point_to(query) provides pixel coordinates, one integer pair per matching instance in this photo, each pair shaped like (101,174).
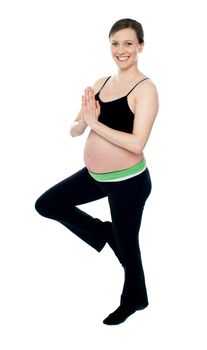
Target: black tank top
(116,113)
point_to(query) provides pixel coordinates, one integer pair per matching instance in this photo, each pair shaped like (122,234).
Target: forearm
(119,138)
(77,128)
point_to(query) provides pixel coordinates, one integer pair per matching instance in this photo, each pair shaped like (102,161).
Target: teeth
(122,58)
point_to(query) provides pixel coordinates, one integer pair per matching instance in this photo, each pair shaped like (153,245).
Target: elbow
(71,133)
(137,149)
(136,145)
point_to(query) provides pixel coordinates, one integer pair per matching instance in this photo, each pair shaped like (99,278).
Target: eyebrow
(116,41)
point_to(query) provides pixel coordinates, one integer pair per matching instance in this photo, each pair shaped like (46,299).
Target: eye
(129,43)
(114,44)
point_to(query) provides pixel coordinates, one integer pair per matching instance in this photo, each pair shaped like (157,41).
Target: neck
(127,75)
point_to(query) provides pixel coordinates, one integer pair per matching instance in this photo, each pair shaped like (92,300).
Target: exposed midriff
(101,156)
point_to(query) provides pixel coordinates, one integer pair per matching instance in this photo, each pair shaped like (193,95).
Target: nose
(121,48)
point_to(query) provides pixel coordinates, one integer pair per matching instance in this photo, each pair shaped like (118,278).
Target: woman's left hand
(90,107)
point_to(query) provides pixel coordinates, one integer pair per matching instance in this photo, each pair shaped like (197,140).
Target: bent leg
(60,201)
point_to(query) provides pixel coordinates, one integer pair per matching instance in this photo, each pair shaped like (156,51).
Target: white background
(50,51)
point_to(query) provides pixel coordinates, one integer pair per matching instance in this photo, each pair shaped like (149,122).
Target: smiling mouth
(122,58)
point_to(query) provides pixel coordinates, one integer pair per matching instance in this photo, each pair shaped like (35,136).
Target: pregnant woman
(120,111)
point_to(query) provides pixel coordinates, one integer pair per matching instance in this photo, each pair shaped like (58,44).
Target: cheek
(133,51)
(134,54)
(113,52)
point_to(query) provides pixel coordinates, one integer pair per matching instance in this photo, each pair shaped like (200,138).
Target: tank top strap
(136,85)
(104,84)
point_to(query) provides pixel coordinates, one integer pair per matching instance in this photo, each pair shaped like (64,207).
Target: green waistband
(120,173)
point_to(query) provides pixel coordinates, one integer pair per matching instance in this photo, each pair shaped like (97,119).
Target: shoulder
(98,84)
(145,85)
(146,91)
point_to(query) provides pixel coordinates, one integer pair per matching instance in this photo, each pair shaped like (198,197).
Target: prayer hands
(90,107)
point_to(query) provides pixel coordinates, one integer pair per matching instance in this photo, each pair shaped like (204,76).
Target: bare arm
(146,109)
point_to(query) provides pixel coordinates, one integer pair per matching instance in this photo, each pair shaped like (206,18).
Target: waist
(120,174)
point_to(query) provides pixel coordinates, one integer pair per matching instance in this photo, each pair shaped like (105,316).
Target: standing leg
(126,200)
(59,203)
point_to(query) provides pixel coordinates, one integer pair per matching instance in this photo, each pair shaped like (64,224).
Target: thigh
(126,215)
(127,199)
(79,188)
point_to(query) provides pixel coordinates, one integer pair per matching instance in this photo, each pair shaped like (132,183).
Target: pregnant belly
(101,156)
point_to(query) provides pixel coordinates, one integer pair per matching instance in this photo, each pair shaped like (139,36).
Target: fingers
(89,96)
(88,100)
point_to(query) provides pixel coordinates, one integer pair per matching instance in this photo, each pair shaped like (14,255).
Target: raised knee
(41,206)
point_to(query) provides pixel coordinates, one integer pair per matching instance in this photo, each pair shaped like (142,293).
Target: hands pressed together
(90,107)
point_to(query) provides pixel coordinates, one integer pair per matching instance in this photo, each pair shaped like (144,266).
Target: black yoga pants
(126,200)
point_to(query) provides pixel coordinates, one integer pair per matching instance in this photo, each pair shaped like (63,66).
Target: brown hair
(128,23)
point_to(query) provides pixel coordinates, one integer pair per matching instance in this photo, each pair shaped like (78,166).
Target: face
(125,48)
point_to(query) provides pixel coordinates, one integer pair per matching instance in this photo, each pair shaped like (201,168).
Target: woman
(120,111)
